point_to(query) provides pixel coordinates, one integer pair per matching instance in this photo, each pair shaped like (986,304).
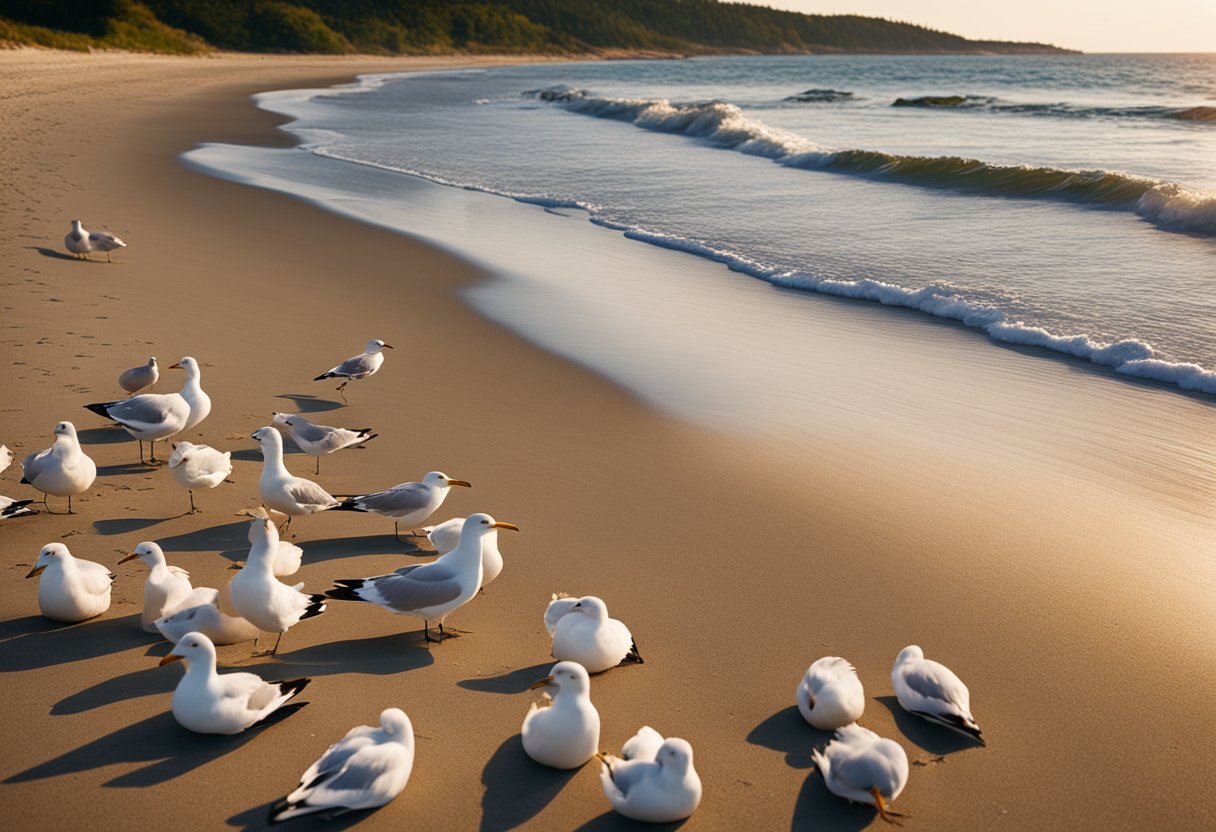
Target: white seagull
(137,378)
(265,601)
(862,767)
(199,466)
(659,789)
(446,536)
(201,613)
(166,587)
(365,769)
(208,703)
(585,634)
(319,440)
(931,690)
(105,241)
(430,591)
(286,494)
(285,557)
(359,366)
(564,730)
(830,695)
(70,589)
(409,502)
(77,240)
(62,469)
(152,416)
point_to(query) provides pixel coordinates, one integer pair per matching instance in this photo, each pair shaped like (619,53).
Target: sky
(1088,25)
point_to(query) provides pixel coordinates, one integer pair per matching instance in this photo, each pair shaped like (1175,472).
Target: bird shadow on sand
(125,525)
(517,788)
(935,739)
(259,818)
(375,656)
(111,435)
(786,731)
(122,469)
(59,255)
(336,548)
(151,680)
(613,822)
(168,749)
(306,403)
(515,682)
(225,537)
(34,642)
(817,808)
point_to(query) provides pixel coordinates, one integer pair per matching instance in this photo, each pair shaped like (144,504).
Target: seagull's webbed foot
(883,812)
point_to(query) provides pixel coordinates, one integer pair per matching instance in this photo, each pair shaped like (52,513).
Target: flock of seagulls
(653,778)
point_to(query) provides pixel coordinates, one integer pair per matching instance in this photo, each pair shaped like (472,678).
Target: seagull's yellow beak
(546,682)
(36,571)
(131,556)
(169,659)
(387,347)
(510,526)
(460,482)
(175,366)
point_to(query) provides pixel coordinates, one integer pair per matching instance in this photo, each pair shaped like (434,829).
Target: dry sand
(1081,620)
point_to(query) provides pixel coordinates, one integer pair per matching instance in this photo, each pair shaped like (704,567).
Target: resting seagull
(409,502)
(563,731)
(319,440)
(430,591)
(662,788)
(279,489)
(931,690)
(358,366)
(862,767)
(152,416)
(70,589)
(585,634)
(62,469)
(365,769)
(208,703)
(201,613)
(166,587)
(830,695)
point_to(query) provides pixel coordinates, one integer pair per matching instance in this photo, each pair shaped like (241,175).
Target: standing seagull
(265,601)
(932,691)
(77,240)
(319,440)
(105,241)
(208,703)
(365,769)
(198,466)
(166,587)
(430,591)
(358,366)
(286,494)
(62,469)
(70,589)
(137,378)
(862,767)
(409,502)
(152,416)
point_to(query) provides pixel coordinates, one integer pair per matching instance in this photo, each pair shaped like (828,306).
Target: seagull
(137,378)
(198,466)
(319,440)
(152,416)
(104,241)
(293,496)
(77,240)
(585,634)
(201,613)
(208,703)
(830,695)
(446,536)
(70,589)
(359,366)
(365,769)
(430,591)
(286,557)
(932,691)
(166,587)
(659,789)
(409,502)
(265,601)
(62,469)
(862,767)
(563,731)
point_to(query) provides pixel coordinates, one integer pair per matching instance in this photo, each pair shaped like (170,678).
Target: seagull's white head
(65,429)
(675,756)
(151,360)
(478,525)
(148,552)
(375,345)
(909,653)
(267,436)
(76,224)
(192,647)
(567,677)
(190,365)
(51,553)
(438,479)
(282,418)
(396,724)
(591,607)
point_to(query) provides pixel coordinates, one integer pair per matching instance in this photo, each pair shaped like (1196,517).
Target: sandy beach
(1069,582)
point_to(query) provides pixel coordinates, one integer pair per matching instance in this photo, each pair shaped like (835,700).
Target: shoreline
(734,561)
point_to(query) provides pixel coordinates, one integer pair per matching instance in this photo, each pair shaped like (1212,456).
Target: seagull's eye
(485,522)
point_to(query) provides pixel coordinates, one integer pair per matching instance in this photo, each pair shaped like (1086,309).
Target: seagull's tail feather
(365,435)
(349,504)
(292,687)
(18,508)
(325,375)
(633,656)
(285,810)
(280,714)
(957,723)
(347,590)
(314,609)
(100,408)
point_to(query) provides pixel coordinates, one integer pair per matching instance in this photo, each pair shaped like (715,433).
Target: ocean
(1066,203)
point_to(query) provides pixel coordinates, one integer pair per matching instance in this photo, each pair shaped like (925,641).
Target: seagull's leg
(396,532)
(341,388)
(275,649)
(426,633)
(885,813)
(318,466)
(70,505)
(193,510)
